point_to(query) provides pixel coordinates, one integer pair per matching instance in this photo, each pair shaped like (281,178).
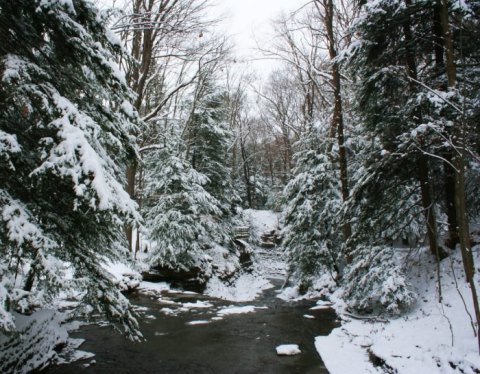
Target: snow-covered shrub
(374,283)
(323,286)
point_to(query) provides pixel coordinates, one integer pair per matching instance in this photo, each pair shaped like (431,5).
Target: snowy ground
(433,338)
(260,221)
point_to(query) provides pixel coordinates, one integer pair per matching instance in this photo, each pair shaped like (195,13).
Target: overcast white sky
(250,21)
(247,21)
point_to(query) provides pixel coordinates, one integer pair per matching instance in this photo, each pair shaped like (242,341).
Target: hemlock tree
(211,139)
(393,106)
(313,202)
(64,144)
(180,213)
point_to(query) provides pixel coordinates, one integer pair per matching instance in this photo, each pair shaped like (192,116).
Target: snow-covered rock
(125,277)
(288,350)
(236,310)
(245,288)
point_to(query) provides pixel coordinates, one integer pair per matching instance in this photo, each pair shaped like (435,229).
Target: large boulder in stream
(192,279)
(217,261)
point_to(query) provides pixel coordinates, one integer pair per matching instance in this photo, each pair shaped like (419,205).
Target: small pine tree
(181,214)
(313,202)
(375,283)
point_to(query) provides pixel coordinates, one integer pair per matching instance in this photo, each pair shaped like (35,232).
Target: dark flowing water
(240,343)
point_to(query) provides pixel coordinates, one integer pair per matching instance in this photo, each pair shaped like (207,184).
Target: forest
(134,137)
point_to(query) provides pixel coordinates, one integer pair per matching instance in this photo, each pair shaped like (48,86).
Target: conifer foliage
(211,142)
(189,188)
(64,144)
(180,210)
(313,203)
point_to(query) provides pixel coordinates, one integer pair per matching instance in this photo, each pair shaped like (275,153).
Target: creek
(237,343)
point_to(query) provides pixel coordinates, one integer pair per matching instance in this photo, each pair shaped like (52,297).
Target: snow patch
(155,288)
(288,350)
(335,348)
(237,310)
(320,307)
(199,322)
(197,305)
(433,338)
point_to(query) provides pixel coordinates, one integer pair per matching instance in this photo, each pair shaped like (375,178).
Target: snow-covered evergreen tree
(397,64)
(376,283)
(211,140)
(181,215)
(313,202)
(64,125)
(406,109)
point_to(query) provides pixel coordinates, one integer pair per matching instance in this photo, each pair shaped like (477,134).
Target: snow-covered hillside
(435,337)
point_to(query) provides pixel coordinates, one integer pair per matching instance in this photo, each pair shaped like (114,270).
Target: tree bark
(131,173)
(459,143)
(449,183)
(337,121)
(449,175)
(428,202)
(246,174)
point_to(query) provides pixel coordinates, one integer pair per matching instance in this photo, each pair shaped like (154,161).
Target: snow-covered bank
(35,344)
(433,338)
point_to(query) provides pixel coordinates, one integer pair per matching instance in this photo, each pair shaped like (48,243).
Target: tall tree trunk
(131,173)
(246,174)
(132,77)
(459,143)
(287,155)
(337,121)
(140,204)
(449,176)
(449,183)
(428,204)
(142,49)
